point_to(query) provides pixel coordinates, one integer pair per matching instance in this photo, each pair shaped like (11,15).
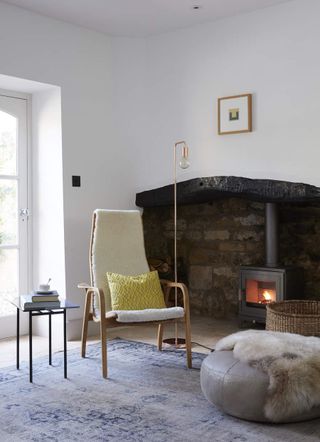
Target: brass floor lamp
(183,164)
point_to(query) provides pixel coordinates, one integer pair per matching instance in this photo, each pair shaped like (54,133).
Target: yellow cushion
(135,292)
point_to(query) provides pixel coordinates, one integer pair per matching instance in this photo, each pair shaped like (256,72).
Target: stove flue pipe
(272,234)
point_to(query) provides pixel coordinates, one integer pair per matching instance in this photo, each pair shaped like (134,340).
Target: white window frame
(29,269)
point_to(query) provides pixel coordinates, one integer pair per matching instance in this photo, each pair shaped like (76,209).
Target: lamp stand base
(175,342)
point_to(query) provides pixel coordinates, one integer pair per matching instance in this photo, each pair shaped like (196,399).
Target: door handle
(23,213)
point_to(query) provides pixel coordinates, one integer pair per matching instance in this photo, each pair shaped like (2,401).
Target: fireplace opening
(260,292)
(260,286)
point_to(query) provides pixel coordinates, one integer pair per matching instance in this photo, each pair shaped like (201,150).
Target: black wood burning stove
(262,285)
(273,282)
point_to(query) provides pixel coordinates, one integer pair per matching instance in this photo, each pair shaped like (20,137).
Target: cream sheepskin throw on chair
(292,363)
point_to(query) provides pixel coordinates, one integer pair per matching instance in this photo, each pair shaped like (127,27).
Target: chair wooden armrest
(89,307)
(169,285)
(84,285)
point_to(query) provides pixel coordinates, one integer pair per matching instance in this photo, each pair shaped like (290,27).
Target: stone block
(168,225)
(248,235)
(199,255)
(196,224)
(181,224)
(250,220)
(225,271)
(232,246)
(169,234)
(213,235)
(200,277)
(194,235)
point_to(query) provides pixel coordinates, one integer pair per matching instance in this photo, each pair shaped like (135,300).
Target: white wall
(126,101)
(129,105)
(94,143)
(47,196)
(47,213)
(272,53)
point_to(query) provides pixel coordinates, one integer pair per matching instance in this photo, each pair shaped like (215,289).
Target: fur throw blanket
(292,363)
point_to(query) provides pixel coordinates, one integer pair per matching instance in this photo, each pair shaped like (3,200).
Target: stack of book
(40,300)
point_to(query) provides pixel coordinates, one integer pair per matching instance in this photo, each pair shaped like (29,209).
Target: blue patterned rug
(149,396)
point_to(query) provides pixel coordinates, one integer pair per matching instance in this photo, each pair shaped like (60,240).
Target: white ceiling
(139,18)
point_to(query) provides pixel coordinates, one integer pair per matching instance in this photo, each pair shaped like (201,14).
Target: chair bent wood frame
(95,296)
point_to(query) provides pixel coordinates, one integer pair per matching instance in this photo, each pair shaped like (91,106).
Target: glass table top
(64,304)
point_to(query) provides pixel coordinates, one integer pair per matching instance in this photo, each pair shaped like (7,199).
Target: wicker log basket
(302,317)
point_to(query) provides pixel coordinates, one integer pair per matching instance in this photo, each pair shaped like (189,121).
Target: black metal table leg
(46,311)
(18,339)
(30,346)
(50,340)
(65,341)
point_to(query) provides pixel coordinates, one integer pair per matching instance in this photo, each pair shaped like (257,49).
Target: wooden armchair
(117,245)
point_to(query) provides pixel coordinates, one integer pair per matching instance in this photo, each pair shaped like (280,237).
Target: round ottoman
(238,389)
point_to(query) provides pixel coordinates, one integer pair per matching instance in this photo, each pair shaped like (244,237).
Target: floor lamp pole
(175,264)
(184,164)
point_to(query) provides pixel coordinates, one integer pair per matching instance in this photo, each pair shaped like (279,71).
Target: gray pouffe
(238,389)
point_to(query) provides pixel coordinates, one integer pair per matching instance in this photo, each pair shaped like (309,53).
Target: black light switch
(76,181)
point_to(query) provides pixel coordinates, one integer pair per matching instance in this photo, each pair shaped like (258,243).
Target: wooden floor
(205,331)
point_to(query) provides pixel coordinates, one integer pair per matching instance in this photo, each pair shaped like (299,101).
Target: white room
(106,100)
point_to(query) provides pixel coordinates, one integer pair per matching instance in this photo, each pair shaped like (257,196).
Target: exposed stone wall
(215,239)
(300,243)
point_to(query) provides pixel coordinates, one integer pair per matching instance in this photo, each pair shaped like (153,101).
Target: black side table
(43,311)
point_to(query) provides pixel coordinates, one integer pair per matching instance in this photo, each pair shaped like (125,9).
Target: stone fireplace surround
(221,226)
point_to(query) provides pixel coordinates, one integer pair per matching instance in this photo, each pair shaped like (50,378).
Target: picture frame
(235,114)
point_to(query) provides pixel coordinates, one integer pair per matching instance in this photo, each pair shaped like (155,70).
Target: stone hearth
(216,237)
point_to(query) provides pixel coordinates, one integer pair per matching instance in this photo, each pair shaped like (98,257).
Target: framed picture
(235,114)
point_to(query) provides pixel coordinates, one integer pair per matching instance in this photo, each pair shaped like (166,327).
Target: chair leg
(103,335)
(160,336)
(85,324)
(188,341)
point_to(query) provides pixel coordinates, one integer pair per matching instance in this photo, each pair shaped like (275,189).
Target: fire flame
(267,296)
